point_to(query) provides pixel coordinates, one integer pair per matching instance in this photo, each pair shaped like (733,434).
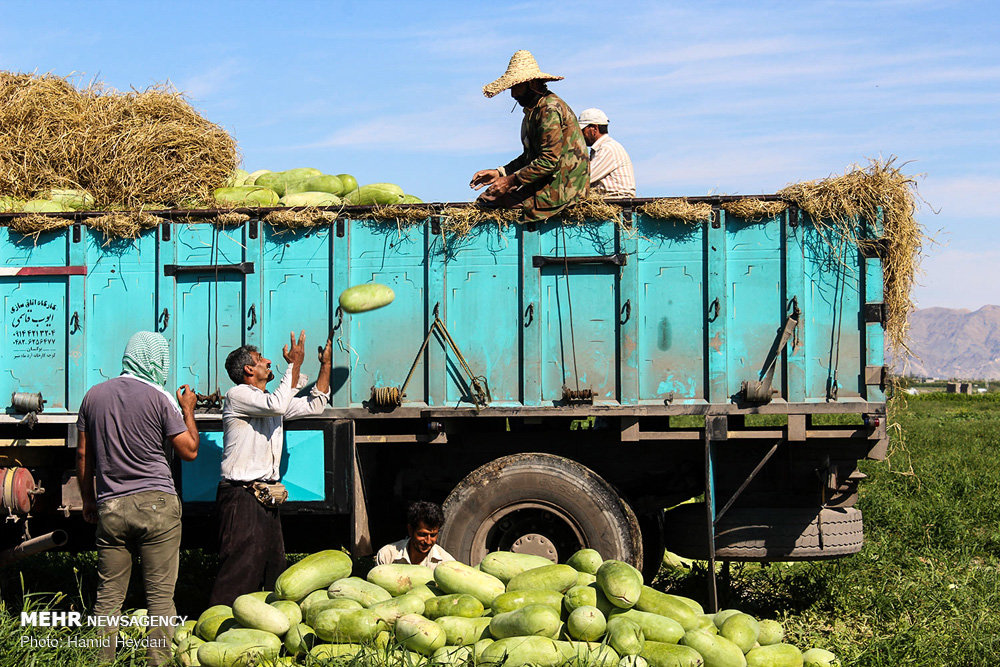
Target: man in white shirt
(611,172)
(251,546)
(423,522)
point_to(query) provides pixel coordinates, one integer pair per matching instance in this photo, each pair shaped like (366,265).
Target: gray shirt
(127,422)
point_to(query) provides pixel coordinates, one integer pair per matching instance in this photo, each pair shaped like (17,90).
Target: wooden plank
(33,442)
(402,438)
(361,539)
(630,429)
(671,435)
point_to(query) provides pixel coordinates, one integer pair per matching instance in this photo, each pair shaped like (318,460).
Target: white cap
(593,117)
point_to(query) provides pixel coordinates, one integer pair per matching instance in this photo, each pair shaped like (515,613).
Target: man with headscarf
(123,427)
(552,171)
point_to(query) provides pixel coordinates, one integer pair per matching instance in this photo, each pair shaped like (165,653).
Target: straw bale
(754,209)
(459,222)
(676,208)
(229,219)
(593,207)
(851,206)
(300,218)
(124,225)
(125,149)
(35,224)
(401,215)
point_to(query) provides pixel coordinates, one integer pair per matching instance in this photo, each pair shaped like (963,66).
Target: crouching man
(423,523)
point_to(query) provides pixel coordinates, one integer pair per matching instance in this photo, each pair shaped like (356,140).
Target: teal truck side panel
(652,313)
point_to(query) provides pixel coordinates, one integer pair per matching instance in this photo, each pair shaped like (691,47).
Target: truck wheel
(767,533)
(541,504)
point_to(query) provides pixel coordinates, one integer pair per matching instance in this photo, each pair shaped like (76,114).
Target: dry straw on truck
(151,149)
(125,149)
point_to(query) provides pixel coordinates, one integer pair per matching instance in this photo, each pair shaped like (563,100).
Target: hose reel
(29,405)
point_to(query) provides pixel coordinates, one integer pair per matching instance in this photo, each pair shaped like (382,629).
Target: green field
(925,590)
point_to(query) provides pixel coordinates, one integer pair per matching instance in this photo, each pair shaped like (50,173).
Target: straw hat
(522,67)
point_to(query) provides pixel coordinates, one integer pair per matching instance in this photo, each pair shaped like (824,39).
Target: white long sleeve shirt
(611,173)
(252,431)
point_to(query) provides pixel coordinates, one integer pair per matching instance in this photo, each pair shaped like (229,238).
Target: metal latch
(876,375)
(388,398)
(759,390)
(577,396)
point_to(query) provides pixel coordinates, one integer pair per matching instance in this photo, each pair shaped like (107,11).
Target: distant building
(959,388)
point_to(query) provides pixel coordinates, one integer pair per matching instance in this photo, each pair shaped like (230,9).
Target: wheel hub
(537,528)
(536,545)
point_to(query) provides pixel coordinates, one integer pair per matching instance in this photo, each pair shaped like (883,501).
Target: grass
(925,589)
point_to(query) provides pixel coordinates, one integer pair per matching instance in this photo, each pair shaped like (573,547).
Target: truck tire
(766,533)
(542,504)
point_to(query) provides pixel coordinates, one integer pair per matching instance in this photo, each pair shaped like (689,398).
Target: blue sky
(708,97)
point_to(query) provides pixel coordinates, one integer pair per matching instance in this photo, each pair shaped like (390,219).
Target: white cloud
(214,80)
(963,197)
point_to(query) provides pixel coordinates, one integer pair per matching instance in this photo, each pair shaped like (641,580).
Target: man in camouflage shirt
(552,172)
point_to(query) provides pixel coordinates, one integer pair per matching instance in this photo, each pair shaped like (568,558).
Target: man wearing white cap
(611,172)
(551,172)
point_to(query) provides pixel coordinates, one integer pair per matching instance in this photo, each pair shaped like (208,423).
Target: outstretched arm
(319,395)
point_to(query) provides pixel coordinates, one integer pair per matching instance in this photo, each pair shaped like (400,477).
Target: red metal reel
(17,485)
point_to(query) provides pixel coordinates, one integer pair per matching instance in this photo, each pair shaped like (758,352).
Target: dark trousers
(251,546)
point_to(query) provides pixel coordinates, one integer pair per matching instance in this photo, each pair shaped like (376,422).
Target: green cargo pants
(145,524)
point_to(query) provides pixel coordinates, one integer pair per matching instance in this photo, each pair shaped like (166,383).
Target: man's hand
(90,510)
(326,353)
(186,398)
(294,353)
(502,186)
(483,178)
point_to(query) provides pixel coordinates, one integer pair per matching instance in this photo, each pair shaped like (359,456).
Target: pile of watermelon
(512,610)
(306,187)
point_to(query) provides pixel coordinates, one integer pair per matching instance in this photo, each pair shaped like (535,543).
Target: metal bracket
(746,482)
(875,248)
(577,396)
(876,312)
(391,397)
(616,259)
(876,375)
(627,217)
(759,390)
(176,269)
(163,320)
(209,401)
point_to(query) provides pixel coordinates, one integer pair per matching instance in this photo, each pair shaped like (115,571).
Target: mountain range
(947,343)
